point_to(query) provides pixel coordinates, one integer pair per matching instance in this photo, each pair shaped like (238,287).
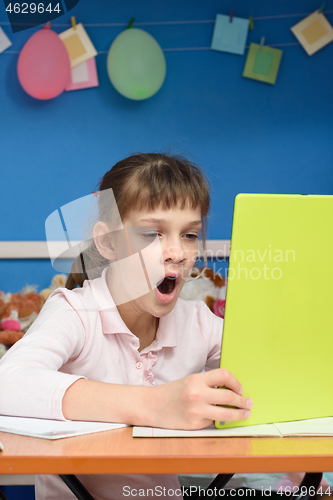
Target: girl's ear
(103,242)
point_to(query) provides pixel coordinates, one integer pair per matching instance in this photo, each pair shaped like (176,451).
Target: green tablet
(278,328)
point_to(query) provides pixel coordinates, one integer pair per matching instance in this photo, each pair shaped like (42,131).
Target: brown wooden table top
(117,452)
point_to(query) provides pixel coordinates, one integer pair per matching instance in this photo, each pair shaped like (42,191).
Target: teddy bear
(58,281)
(209,287)
(17,313)
(19,310)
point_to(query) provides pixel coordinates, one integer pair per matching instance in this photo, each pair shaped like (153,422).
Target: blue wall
(249,136)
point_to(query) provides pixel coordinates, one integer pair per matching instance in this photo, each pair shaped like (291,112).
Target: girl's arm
(31,385)
(187,403)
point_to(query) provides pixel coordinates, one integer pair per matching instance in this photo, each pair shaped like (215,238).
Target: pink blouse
(80,334)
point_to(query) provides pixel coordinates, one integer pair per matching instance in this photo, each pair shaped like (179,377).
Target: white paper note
(80,73)
(4,41)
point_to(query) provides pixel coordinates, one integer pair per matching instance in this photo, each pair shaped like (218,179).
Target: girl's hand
(192,402)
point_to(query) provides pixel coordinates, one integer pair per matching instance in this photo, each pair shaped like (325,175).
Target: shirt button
(139,365)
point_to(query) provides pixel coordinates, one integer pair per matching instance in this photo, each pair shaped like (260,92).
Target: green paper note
(262,63)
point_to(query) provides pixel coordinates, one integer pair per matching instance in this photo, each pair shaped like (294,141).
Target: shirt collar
(112,322)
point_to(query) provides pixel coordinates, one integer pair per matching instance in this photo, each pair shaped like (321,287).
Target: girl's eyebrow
(164,221)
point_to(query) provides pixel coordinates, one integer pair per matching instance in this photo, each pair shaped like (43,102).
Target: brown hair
(147,181)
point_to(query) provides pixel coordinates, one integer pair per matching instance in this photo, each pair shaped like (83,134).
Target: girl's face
(177,231)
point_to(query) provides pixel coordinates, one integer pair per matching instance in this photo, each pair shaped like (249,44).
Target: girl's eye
(153,235)
(150,235)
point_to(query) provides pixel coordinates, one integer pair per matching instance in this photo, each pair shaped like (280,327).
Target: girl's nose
(174,252)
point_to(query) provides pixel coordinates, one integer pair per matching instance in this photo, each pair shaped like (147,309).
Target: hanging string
(170,23)
(166,23)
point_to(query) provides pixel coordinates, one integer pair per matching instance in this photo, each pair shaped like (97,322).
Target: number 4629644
(295,491)
(32,8)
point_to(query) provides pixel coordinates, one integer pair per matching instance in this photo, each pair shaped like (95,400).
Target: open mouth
(167,285)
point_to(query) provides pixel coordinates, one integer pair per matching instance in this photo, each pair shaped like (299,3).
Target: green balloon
(136,64)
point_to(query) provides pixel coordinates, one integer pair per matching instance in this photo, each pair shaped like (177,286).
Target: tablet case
(278,328)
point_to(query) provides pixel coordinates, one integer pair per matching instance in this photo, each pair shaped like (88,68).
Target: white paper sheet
(265,430)
(313,427)
(52,429)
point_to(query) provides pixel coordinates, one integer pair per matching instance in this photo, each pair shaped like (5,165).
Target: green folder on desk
(278,329)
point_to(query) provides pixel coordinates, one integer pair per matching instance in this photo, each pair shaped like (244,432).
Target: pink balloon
(43,66)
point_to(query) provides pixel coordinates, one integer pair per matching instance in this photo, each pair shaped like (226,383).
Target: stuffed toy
(19,310)
(209,287)
(2,350)
(58,281)
(25,303)
(17,313)
(11,323)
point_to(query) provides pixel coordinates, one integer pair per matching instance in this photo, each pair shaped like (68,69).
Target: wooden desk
(116,452)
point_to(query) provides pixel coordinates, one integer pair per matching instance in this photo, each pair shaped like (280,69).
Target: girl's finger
(227,414)
(227,397)
(221,377)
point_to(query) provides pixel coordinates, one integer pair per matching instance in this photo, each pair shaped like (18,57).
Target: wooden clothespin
(73,22)
(231,15)
(262,42)
(320,11)
(251,23)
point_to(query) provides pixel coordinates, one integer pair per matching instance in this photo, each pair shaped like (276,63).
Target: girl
(92,355)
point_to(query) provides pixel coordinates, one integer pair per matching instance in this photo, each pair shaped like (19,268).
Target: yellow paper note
(78,45)
(74,47)
(313,32)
